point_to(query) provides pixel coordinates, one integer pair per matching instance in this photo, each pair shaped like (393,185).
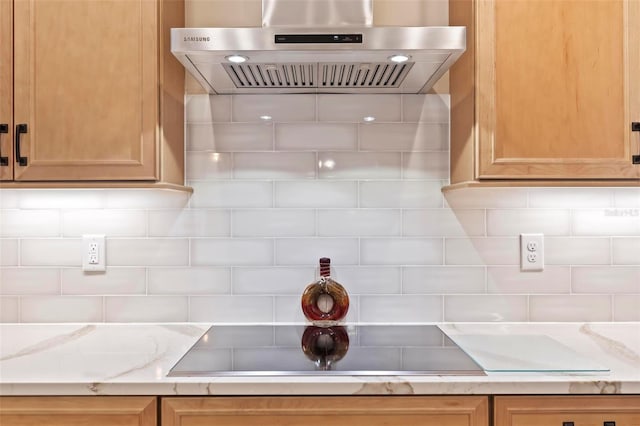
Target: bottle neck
(325,268)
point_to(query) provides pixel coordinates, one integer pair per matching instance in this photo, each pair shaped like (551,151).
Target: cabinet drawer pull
(4,161)
(567,424)
(20,128)
(609,424)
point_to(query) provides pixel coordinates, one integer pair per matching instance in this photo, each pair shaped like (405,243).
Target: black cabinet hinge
(4,161)
(635,127)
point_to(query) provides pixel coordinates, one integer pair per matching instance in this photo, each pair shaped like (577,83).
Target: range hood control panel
(318,38)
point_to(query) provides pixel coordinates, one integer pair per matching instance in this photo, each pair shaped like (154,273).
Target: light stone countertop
(133,359)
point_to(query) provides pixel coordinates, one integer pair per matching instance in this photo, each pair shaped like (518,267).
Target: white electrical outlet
(531,252)
(93,253)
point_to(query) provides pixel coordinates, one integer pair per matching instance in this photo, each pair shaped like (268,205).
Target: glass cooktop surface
(361,350)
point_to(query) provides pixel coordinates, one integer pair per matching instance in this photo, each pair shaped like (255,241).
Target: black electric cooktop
(359,350)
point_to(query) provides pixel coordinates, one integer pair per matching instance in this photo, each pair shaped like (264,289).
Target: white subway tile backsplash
(9,309)
(227,137)
(231,252)
(612,221)
(316,137)
(282,108)
(112,223)
(627,198)
(570,197)
(443,280)
(401,251)
(8,252)
(368,279)
(208,165)
(271,197)
(231,309)
(570,308)
(353,108)
(605,279)
(208,108)
(147,252)
(513,222)
(401,194)
(429,108)
(51,252)
(146,199)
(30,223)
(487,308)
(146,309)
(114,281)
(425,165)
(316,194)
(482,251)
(396,308)
(404,137)
(274,165)
(443,222)
(189,281)
(307,251)
(231,194)
(626,308)
(511,280)
(357,222)
(358,165)
(626,251)
(485,198)
(274,223)
(61,199)
(9,198)
(189,223)
(61,309)
(577,251)
(29,281)
(274,280)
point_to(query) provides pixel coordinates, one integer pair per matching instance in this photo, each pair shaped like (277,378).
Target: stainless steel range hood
(317,46)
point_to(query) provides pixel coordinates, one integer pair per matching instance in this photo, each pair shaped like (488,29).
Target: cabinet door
(6,90)
(557,88)
(322,411)
(67,411)
(558,411)
(86,87)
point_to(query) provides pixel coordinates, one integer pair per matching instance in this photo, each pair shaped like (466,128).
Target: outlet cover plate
(531,252)
(94,255)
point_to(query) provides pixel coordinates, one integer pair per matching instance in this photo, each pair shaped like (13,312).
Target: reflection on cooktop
(360,350)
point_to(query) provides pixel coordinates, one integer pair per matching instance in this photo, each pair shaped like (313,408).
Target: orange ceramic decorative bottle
(325,299)
(325,345)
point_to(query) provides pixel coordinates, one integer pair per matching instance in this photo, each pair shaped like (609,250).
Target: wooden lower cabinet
(78,411)
(598,410)
(324,410)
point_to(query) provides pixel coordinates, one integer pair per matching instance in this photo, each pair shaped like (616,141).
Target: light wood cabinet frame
(554,410)
(476,148)
(89,410)
(326,410)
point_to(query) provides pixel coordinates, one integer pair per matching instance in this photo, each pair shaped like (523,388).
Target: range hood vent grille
(324,75)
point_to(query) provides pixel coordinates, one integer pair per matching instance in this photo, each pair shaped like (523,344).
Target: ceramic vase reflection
(325,346)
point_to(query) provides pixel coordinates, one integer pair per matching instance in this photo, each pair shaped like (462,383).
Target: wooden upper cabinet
(6,90)
(323,411)
(97,90)
(601,410)
(548,90)
(67,411)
